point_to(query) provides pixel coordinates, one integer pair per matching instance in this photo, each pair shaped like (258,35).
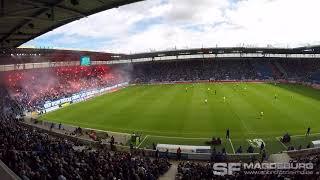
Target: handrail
(7,173)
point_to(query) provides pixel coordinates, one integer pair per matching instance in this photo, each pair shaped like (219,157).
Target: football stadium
(205,112)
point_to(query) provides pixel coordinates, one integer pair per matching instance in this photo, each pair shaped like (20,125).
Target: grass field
(172,114)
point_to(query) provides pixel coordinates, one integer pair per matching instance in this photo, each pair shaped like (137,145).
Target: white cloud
(193,23)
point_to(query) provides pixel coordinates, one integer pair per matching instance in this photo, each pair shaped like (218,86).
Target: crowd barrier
(303,152)
(87,142)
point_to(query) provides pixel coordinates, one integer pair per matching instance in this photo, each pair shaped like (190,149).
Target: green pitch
(178,114)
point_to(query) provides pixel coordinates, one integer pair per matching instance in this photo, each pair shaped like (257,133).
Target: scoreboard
(85,61)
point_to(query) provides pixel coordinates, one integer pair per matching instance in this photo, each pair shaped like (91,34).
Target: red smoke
(34,86)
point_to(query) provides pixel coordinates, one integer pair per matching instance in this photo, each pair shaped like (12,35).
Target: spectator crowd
(32,88)
(34,154)
(215,70)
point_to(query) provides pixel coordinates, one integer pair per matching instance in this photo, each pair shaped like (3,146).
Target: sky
(154,25)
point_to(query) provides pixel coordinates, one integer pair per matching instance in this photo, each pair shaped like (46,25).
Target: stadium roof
(224,50)
(23,20)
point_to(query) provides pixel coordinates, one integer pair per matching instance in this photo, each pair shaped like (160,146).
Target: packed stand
(34,154)
(35,86)
(193,70)
(300,69)
(215,70)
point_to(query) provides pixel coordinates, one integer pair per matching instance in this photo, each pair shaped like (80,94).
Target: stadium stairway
(275,71)
(281,69)
(172,172)
(281,158)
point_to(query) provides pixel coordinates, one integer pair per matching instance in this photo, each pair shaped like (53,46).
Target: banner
(78,97)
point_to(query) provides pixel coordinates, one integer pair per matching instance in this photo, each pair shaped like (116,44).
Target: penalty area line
(234,152)
(143,140)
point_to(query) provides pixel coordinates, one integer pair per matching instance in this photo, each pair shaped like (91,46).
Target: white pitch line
(302,135)
(143,140)
(282,144)
(242,122)
(232,146)
(84,124)
(305,135)
(112,132)
(177,137)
